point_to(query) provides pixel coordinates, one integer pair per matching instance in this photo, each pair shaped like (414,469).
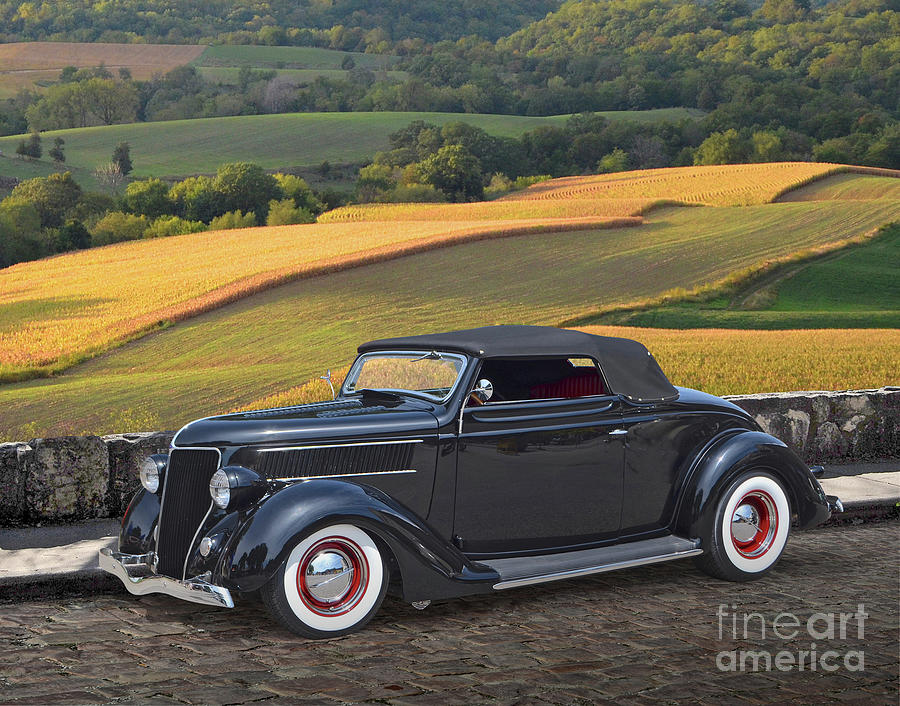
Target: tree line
(53,214)
(351,25)
(823,79)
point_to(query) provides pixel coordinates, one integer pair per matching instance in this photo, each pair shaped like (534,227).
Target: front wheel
(332,583)
(749,530)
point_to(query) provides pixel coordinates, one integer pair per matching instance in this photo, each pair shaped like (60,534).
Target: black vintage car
(461,463)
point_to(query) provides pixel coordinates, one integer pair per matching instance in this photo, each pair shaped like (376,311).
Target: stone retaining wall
(80,477)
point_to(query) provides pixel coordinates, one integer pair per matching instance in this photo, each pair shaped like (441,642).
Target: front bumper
(195,590)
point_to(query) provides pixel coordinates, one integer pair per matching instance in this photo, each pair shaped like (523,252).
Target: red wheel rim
(356,561)
(757,510)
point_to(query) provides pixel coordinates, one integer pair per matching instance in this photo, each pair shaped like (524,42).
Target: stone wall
(73,477)
(856,425)
(80,477)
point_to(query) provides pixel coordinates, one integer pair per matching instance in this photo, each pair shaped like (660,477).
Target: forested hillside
(342,24)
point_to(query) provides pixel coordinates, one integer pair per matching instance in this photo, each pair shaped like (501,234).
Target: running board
(525,571)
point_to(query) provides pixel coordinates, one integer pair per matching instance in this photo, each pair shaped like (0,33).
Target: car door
(538,474)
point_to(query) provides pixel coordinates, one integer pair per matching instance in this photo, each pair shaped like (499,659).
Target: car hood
(341,420)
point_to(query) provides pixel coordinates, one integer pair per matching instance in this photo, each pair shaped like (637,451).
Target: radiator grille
(184,505)
(335,461)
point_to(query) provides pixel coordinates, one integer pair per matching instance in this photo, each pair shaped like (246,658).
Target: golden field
(726,361)
(58,310)
(717,185)
(500,210)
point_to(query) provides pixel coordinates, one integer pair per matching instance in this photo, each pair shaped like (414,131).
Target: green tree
(767,146)
(165,226)
(121,157)
(721,148)
(20,232)
(72,235)
(233,219)
(197,199)
(52,196)
(615,161)
(285,212)
(56,152)
(149,197)
(116,226)
(31,147)
(246,187)
(293,187)
(455,171)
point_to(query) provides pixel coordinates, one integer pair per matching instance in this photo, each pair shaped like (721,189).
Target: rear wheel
(332,583)
(749,530)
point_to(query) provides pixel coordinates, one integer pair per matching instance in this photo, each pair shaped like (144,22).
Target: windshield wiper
(434,355)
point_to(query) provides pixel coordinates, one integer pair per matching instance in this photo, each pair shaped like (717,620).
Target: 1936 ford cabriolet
(460,463)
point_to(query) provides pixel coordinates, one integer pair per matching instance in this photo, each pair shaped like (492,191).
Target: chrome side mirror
(483,390)
(327,378)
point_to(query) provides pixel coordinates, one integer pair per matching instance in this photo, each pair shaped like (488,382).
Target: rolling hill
(278,338)
(185,147)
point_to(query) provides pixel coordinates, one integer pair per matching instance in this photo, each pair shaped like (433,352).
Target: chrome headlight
(220,489)
(151,471)
(236,487)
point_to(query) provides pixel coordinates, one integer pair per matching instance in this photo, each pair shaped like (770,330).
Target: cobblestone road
(648,635)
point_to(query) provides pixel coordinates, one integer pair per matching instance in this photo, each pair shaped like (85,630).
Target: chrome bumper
(195,590)
(834,503)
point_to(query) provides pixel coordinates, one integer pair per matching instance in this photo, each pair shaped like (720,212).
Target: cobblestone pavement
(648,635)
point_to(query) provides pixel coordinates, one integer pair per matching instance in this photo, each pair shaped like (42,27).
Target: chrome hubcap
(329,576)
(745,523)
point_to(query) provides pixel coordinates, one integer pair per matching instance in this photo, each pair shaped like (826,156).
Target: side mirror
(483,390)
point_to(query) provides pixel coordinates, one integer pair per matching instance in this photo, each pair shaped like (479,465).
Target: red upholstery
(580,384)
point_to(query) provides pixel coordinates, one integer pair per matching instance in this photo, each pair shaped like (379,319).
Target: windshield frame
(358,363)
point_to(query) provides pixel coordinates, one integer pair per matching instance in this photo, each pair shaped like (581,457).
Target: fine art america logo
(822,630)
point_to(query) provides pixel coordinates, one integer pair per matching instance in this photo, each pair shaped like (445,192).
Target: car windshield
(431,374)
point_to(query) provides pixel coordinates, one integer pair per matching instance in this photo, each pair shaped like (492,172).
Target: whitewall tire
(749,530)
(331,584)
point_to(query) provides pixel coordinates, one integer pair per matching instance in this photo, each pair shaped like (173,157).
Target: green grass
(289,57)
(22,169)
(184,147)
(856,287)
(283,337)
(228,75)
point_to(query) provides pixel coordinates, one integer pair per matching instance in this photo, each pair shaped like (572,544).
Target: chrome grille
(185,502)
(335,460)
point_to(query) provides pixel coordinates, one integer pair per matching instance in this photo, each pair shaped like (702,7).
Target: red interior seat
(583,382)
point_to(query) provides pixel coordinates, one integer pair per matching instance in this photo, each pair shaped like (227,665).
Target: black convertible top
(629,367)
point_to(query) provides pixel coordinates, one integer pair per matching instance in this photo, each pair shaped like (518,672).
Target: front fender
(732,455)
(430,567)
(139,524)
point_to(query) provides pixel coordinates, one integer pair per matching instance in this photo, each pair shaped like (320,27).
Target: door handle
(618,432)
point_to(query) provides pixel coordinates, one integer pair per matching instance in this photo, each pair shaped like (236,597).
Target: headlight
(151,472)
(219,489)
(236,487)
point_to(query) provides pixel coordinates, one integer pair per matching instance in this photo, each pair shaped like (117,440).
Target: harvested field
(142,59)
(116,292)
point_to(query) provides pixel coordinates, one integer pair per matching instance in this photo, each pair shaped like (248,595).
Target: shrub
(410,193)
(116,226)
(233,219)
(285,213)
(149,197)
(165,226)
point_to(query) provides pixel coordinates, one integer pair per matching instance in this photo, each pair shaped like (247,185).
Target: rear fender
(430,567)
(734,454)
